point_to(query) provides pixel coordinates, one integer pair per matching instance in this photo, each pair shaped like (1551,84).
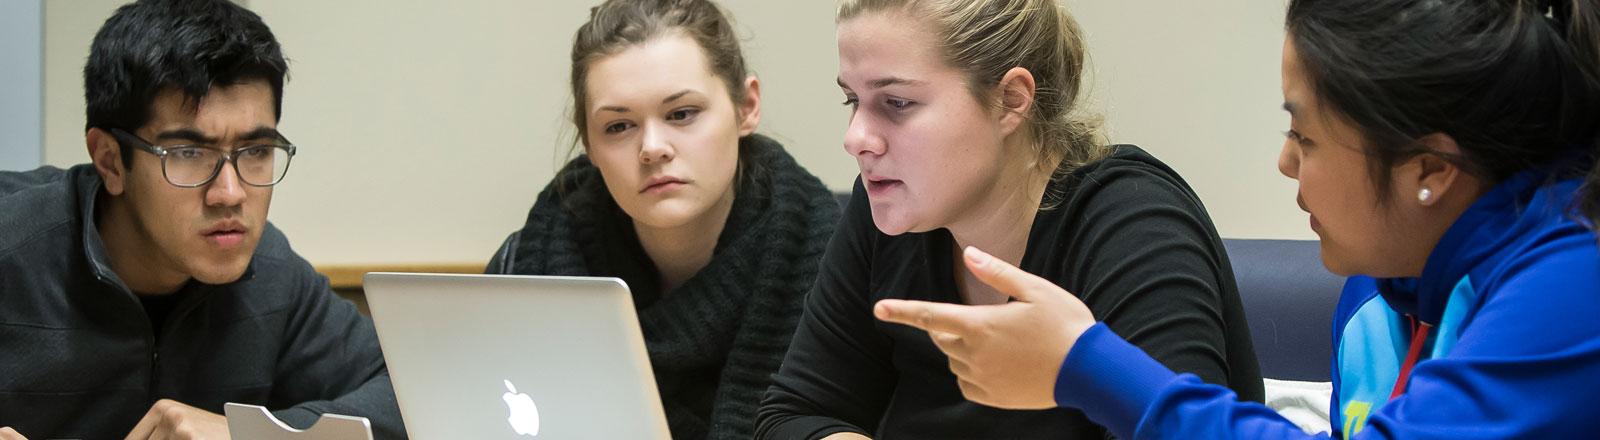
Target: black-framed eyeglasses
(193,166)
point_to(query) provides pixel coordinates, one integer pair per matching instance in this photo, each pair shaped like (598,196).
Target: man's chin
(221,274)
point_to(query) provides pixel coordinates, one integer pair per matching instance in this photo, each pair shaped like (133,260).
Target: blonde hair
(986,38)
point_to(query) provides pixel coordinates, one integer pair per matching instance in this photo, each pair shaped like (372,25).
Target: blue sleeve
(1527,365)
(1123,389)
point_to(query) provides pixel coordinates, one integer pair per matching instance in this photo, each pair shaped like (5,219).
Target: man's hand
(1006,355)
(6,433)
(169,419)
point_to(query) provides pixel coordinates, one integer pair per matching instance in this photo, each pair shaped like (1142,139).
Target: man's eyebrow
(194,136)
(261,133)
(185,134)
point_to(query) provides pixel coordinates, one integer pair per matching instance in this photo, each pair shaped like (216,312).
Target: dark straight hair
(1516,83)
(150,46)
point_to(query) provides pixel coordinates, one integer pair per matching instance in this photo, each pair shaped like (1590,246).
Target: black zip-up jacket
(79,357)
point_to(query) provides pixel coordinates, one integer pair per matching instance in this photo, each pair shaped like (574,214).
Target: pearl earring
(1424,195)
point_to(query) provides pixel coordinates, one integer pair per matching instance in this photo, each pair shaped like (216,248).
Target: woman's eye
(851,101)
(897,104)
(618,127)
(683,114)
(1296,137)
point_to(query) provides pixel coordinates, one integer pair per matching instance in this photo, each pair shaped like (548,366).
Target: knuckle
(925,316)
(1002,270)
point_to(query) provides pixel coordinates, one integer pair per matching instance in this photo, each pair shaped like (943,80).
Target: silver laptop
(515,357)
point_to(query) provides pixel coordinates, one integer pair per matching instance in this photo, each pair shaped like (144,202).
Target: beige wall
(427,127)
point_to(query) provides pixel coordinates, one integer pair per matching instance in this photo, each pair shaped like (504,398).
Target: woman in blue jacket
(1440,148)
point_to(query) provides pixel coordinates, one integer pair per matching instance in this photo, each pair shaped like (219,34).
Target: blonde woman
(964,123)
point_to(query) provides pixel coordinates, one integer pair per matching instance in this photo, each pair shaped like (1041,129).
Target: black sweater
(1127,236)
(715,341)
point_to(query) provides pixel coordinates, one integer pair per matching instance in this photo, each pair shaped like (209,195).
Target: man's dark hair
(186,45)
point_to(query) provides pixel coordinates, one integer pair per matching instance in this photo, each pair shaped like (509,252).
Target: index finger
(1004,277)
(6,433)
(955,319)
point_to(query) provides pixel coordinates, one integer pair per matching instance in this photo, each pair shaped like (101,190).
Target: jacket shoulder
(32,203)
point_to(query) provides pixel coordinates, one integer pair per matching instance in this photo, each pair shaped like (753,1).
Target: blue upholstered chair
(1289,299)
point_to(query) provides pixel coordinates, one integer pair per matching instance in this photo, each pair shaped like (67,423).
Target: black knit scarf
(713,340)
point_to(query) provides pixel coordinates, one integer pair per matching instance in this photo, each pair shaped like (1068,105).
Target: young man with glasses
(142,291)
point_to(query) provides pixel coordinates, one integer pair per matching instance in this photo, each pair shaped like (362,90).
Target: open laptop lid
(515,357)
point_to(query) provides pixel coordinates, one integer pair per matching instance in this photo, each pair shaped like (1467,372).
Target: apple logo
(524,416)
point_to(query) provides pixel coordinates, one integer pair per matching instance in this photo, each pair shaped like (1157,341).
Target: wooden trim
(348,276)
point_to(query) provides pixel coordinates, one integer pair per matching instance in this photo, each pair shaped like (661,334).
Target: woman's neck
(682,251)
(1000,227)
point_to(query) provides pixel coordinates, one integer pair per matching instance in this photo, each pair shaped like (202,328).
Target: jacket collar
(1498,221)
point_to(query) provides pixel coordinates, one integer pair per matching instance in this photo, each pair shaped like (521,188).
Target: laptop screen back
(515,357)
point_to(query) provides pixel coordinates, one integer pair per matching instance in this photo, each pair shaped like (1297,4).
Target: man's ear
(106,154)
(1429,178)
(750,109)
(1015,92)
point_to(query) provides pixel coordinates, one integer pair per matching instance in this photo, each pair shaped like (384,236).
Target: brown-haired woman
(965,125)
(716,230)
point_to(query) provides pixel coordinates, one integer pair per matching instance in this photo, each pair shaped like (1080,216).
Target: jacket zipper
(155,362)
(173,316)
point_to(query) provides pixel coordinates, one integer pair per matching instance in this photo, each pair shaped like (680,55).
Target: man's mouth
(225,234)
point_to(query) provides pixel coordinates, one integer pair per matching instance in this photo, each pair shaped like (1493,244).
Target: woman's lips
(1316,226)
(883,186)
(663,183)
(663,187)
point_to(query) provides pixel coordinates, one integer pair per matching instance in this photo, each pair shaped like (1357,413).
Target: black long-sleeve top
(1126,235)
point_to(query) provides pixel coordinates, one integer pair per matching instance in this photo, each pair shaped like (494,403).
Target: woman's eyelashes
(890,105)
(680,116)
(1296,137)
(618,127)
(683,115)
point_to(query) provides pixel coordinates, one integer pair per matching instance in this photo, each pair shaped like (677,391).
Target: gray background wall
(21,84)
(427,127)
